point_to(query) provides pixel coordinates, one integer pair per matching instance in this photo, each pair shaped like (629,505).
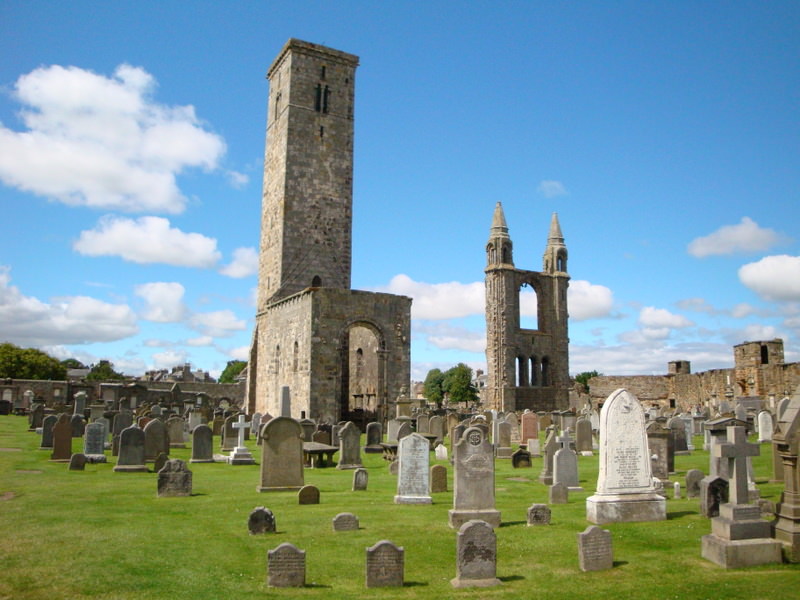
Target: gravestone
(36,418)
(713,493)
(349,447)
(174,479)
(77,424)
(785,440)
(765,426)
(503,449)
(175,428)
(739,536)
(625,488)
(48,423)
(529,424)
(565,465)
(583,435)
(403,430)
(413,455)
(440,452)
(693,478)
(476,556)
(308,494)
(286,566)
(532,446)
(438,479)
(156,440)
(79,403)
(281,455)
(677,430)
(511,419)
(202,445)
(550,449)
(360,479)
(255,422)
(345,522)
(374,438)
(521,459)
(240,455)
(94,445)
(658,442)
(422,424)
(539,514)
(309,427)
(436,427)
(160,461)
(229,436)
(594,548)
(286,402)
(558,493)
(77,462)
(62,439)
(261,520)
(131,451)
(122,421)
(385,565)
(473,493)
(391,429)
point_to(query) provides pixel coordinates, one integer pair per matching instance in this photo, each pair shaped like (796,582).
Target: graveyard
(101,533)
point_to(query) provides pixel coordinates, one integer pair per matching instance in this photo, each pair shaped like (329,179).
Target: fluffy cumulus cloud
(148,240)
(439,300)
(446,336)
(27,321)
(164,301)
(650,316)
(747,236)
(168,359)
(550,189)
(220,323)
(589,301)
(103,142)
(775,278)
(244,263)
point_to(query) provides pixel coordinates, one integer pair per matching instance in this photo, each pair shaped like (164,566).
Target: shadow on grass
(193,494)
(512,523)
(315,585)
(680,513)
(619,563)
(415,584)
(508,578)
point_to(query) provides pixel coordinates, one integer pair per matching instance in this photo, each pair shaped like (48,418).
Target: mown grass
(100,534)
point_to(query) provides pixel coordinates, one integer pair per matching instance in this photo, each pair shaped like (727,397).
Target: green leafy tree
(583,379)
(232,370)
(458,385)
(432,387)
(29,363)
(104,371)
(73,363)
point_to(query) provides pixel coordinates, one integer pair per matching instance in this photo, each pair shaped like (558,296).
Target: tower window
(322,72)
(318,98)
(764,355)
(325,96)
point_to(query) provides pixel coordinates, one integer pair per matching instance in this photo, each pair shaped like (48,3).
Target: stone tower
(343,354)
(527,368)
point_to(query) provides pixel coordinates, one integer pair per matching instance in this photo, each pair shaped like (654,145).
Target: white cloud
(102,141)
(237,180)
(220,323)
(168,359)
(451,337)
(239,353)
(588,301)
(773,277)
(439,300)
(550,189)
(27,321)
(205,340)
(148,240)
(747,236)
(244,263)
(164,301)
(658,318)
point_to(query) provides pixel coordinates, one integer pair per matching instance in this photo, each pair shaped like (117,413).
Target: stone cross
(736,450)
(241,426)
(565,439)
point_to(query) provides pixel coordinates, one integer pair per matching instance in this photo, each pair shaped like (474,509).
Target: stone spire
(499,249)
(555,255)
(499,227)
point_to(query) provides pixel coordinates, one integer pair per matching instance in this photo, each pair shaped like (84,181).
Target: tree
(29,363)
(432,388)
(232,370)
(458,386)
(73,363)
(104,371)
(583,379)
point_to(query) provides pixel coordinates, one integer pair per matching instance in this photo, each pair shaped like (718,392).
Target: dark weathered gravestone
(160,461)
(261,520)
(94,442)
(308,494)
(438,479)
(174,479)
(374,438)
(549,451)
(287,566)
(345,522)
(349,447)
(693,479)
(48,423)
(594,549)
(476,556)
(473,493)
(403,430)
(175,429)
(62,439)
(229,435)
(385,565)
(713,492)
(281,455)
(36,418)
(77,462)
(156,439)
(77,424)
(521,459)
(360,479)
(202,445)
(539,514)
(394,467)
(131,451)
(413,454)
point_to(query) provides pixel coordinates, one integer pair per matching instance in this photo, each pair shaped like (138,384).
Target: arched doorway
(363,394)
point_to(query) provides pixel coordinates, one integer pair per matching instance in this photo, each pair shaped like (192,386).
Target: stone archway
(362,393)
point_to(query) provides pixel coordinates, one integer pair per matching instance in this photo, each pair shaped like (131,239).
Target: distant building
(179,374)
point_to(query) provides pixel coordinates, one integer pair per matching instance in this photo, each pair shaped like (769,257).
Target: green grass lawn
(99,534)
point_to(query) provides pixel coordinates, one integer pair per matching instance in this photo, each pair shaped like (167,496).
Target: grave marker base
(626,509)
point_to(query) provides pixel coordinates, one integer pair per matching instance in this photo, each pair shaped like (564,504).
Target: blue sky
(665,135)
